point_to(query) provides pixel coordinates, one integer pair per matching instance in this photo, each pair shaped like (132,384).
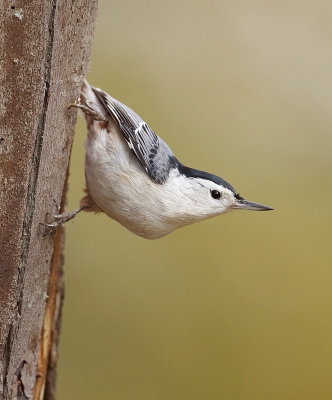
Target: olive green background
(238,307)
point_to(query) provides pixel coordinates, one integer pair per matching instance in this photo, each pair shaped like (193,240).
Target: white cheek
(223,205)
(227,201)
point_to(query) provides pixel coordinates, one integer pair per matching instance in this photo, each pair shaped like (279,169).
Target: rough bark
(44,55)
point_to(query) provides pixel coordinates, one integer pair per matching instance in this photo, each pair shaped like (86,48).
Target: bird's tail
(88,98)
(86,92)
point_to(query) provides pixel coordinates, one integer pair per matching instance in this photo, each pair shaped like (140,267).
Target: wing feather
(150,149)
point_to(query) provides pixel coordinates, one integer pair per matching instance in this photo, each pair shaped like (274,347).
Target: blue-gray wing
(151,151)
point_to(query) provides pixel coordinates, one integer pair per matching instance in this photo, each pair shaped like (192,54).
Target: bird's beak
(248,205)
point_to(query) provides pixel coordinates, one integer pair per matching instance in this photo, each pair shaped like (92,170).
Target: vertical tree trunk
(44,55)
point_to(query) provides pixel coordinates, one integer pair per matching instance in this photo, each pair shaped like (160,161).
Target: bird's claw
(49,228)
(77,103)
(59,220)
(88,110)
(59,217)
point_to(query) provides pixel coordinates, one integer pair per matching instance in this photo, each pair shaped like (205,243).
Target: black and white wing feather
(151,151)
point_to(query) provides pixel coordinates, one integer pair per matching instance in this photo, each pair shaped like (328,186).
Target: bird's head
(209,195)
(218,198)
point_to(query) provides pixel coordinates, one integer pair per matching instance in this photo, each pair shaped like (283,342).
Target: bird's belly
(120,187)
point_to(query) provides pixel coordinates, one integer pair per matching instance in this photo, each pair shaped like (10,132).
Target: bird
(133,176)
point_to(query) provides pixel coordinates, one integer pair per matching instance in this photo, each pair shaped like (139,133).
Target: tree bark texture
(44,56)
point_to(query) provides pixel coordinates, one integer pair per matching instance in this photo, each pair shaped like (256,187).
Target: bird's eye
(215,194)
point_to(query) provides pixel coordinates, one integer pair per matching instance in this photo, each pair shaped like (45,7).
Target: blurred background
(238,307)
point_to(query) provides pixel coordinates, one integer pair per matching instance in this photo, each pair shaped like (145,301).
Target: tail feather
(89,98)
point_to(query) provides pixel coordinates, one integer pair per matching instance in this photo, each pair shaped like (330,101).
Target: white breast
(121,188)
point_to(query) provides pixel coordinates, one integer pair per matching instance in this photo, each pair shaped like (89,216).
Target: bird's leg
(89,110)
(66,216)
(60,220)
(86,204)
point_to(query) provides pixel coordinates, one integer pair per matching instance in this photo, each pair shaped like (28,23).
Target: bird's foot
(89,110)
(59,220)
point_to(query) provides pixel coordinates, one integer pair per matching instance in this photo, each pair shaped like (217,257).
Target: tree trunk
(44,56)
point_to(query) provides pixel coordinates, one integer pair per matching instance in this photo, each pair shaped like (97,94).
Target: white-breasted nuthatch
(133,176)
